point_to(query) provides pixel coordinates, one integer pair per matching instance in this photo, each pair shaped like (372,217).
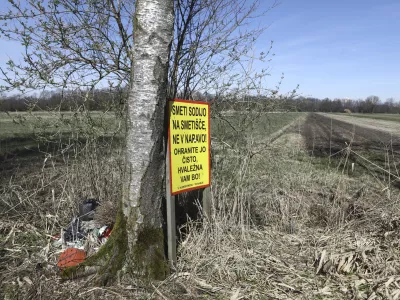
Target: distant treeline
(100,99)
(106,99)
(371,104)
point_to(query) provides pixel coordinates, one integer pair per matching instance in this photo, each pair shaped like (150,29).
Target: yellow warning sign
(189,145)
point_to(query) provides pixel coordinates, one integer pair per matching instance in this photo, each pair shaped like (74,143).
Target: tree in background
(370,103)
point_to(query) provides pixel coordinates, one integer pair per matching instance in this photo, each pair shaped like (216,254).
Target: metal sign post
(207,203)
(171,222)
(188,165)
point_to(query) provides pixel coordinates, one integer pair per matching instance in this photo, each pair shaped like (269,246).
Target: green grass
(22,125)
(21,131)
(26,124)
(235,129)
(24,131)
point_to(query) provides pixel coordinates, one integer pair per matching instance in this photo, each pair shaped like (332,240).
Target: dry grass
(282,227)
(299,231)
(37,203)
(52,188)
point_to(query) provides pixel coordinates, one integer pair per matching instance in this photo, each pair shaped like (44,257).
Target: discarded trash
(71,257)
(56,237)
(104,232)
(82,237)
(73,231)
(87,208)
(79,244)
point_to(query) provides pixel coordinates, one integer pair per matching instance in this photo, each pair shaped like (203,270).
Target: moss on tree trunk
(136,244)
(110,258)
(146,261)
(148,255)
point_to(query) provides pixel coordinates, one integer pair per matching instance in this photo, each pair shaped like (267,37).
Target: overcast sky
(332,48)
(336,48)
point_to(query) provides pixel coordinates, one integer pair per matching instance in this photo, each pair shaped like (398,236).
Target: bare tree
(211,43)
(69,43)
(371,102)
(84,44)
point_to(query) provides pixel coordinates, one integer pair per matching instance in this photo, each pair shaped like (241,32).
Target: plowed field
(370,144)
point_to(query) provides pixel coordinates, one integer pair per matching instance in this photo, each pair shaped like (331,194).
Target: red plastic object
(71,257)
(107,232)
(56,237)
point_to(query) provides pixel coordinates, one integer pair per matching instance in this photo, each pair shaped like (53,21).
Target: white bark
(145,156)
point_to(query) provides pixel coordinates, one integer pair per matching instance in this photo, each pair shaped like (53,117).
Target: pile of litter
(83,236)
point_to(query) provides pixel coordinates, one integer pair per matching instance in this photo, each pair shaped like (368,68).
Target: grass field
(25,130)
(290,219)
(28,131)
(239,130)
(386,117)
(27,124)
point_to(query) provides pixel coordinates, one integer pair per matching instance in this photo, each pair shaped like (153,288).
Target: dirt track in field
(327,135)
(381,125)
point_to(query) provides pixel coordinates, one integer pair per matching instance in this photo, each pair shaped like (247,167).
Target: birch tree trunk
(145,155)
(136,245)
